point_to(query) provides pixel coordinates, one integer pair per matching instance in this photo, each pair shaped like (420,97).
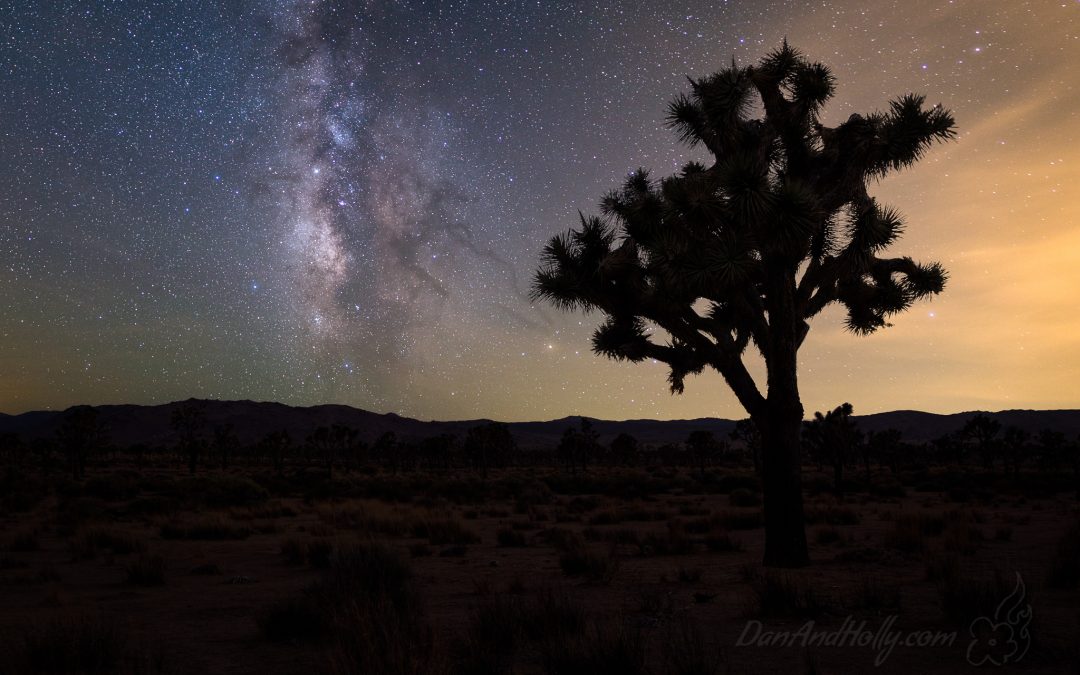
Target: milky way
(343,200)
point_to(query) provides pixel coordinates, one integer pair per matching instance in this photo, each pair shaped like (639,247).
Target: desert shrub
(89,645)
(86,545)
(827,535)
(943,568)
(293,619)
(500,627)
(734,481)
(116,486)
(783,595)
(831,514)
(873,594)
(72,513)
(443,531)
(363,518)
(689,575)
(598,564)
(152,505)
(205,529)
(319,552)
(365,608)
(23,542)
(206,569)
(722,542)
(220,491)
(267,511)
(20,493)
(910,531)
(419,550)
(744,497)
(615,648)
(1065,564)
(962,537)
(510,538)
(674,541)
(294,551)
(146,570)
(738,520)
(963,597)
(685,650)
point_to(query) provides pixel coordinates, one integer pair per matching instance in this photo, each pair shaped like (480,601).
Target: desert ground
(141,568)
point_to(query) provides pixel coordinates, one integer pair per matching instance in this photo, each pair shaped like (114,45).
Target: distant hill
(151,425)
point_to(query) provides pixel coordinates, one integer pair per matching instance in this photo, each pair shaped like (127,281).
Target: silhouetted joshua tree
(885,446)
(983,431)
(578,446)
(79,435)
(187,421)
(693,269)
(703,448)
(747,432)
(488,445)
(624,449)
(833,437)
(225,443)
(1014,449)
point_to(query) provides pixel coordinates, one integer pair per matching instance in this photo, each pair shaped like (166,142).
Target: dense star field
(344,201)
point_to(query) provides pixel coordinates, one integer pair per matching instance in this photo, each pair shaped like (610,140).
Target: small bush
(685,650)
(722,542)
(875,595)
(675,541)
(964,598)
(831,515)
(784,595)
(294,551)
(827,535)
(441,532)
(689,575)
(90,645)
(910,532)
(146,570)
(294,619)
(207,529)
(510,538)
(23,542)
(91,541)
(206,569)
(612,649)
(578,558)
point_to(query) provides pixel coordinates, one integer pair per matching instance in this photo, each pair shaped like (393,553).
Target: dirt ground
(164,573)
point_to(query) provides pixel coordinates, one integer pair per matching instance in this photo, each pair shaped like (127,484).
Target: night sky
(344,201)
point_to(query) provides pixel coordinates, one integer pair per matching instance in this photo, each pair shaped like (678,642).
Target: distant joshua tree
(332,444)
(489,445)
(834,437)
(188,420)
(747,432)
(703,448)
(983,431)
(624,449)
(693,269)
(578,446)
(80,434)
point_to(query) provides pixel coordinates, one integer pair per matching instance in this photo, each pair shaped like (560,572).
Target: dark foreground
(531,570)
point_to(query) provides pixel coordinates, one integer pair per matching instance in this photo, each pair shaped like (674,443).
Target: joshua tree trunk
(785,532)
(785,535)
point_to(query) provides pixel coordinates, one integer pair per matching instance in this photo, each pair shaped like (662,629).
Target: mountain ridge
(131,424)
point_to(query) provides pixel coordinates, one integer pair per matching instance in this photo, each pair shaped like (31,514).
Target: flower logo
(1004,638)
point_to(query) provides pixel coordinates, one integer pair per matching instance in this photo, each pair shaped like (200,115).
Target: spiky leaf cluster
(776,228)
